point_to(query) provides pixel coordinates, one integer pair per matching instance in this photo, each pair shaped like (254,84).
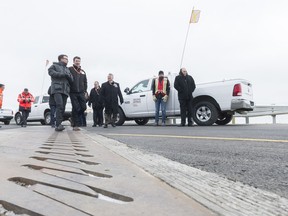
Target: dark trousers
(186,111)
(52,115)
(83,121)
(78,101)
(60,100)
(98,116)
(25,115)
(111,114)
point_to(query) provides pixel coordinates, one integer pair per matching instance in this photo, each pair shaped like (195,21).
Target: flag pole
(184,45)
(185,41)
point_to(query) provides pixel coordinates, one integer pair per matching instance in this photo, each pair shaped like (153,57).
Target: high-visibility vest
(25,100)
(164,91)
(1,97)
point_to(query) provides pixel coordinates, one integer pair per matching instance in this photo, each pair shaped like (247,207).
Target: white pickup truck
(214,102)
(6,115)
(40,111)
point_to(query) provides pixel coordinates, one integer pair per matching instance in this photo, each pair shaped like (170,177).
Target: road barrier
(259,111)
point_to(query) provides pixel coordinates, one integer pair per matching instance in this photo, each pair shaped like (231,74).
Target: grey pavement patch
(9,209)
(50,158)
(217,193)
(86,172)
(65,149)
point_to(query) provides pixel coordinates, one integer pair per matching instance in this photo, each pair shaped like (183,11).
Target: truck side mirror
(127,90)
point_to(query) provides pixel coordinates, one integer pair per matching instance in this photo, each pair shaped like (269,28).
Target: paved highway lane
(256,155)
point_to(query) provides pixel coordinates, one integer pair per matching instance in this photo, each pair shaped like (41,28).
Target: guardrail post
(233,120)
(274,119)
(171,121)
(247,120)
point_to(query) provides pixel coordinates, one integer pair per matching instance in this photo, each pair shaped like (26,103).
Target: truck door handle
(142,95)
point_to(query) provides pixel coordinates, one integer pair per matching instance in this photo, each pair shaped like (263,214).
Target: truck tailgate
(247,91)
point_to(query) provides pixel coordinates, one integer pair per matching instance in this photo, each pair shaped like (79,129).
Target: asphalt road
(256,155)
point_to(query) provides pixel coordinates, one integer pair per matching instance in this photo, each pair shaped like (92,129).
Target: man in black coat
(96,100)
(77,93)
(61,79)
(110,91)
(185,86)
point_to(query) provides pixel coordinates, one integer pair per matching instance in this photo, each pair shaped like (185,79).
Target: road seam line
(198,137)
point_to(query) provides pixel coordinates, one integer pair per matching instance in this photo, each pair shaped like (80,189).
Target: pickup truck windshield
(140,87)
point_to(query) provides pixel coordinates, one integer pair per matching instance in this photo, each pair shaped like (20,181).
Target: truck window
(45,99)
(36,100)
(140,87)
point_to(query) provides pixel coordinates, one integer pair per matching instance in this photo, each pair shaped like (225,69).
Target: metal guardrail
(259,111)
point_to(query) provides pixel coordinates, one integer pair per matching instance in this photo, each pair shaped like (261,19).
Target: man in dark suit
(185,86)
(77,93)
(110,91)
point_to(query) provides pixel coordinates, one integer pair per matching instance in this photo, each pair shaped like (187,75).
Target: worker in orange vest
(2,87)
(25,100)
(160,92)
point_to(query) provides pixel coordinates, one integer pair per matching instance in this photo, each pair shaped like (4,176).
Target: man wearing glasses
(60,87)
(185,86)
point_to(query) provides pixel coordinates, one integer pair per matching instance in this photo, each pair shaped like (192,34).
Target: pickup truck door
(135,103)
(38,107)
(34,114)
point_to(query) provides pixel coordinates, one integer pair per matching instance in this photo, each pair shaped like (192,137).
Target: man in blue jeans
(160,91)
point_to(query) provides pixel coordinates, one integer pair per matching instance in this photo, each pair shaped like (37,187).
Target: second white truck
(214,102)
(40,111)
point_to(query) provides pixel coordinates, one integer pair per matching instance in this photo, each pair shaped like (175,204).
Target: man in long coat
(110,91)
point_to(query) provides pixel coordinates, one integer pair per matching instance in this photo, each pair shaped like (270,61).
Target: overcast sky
(134,39)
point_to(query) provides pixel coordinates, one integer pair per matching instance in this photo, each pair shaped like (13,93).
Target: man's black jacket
(185,86)
(79,84)
(61,78)
(110,93)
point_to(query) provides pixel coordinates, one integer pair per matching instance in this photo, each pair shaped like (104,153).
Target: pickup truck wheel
(120,118)
(224,119)
(205,113)
(47,118)
(18,118)
(142,121)
(6,122)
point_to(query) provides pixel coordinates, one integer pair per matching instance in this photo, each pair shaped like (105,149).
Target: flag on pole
(195,15)
(47,62)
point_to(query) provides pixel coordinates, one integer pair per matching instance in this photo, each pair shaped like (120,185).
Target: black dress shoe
(60,128)
(181,125)
(105,126)
(113,125)
(94,125)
